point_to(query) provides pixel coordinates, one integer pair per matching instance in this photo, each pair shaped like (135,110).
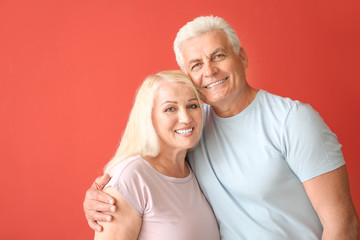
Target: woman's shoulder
(127,164)
(129,169)
(127,179)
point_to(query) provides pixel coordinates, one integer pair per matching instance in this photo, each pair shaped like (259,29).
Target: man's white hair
(199,26)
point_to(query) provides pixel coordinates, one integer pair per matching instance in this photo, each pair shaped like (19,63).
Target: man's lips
(216,83)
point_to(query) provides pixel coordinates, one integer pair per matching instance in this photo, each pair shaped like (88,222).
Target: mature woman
(157,195)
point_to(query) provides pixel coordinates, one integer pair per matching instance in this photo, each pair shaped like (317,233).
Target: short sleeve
(127,180)
(311,149)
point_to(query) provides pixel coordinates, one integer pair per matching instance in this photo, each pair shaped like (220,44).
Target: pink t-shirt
(171,208)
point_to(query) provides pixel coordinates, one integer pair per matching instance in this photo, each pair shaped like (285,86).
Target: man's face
(214,67)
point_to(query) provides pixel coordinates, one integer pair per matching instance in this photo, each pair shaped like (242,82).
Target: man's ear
(243,57)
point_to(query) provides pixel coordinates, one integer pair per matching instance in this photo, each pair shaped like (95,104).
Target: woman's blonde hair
(139,137)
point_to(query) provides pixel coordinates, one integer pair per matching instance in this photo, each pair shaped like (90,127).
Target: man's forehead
(204,45)
(211,37)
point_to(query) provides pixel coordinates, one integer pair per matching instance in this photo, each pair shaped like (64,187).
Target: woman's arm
(126,222)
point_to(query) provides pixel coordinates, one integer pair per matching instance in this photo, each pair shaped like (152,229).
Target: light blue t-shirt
(251,167)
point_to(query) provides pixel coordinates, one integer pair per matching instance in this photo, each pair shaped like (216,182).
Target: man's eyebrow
(216,50)
(219,49)
(194,61)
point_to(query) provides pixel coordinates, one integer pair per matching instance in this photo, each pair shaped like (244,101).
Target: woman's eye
(170,109)
(192,106)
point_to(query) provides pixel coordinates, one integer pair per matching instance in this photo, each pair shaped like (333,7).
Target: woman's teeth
(185,131)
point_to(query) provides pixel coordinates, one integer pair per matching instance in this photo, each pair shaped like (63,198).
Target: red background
(69,70)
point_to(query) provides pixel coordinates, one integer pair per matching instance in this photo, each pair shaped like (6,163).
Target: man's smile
(216,83)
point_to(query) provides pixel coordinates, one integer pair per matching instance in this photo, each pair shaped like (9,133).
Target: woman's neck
(171,164)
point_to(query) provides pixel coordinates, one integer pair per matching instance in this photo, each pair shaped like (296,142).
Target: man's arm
(126,223)
(97,202)
(330,196)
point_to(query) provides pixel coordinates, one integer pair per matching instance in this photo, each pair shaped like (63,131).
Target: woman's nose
(184,116)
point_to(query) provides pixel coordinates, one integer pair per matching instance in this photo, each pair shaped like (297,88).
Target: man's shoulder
(274,98)
(292,110)
(277,102)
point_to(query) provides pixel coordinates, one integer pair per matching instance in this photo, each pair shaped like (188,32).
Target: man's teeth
(216,83)
(185,131)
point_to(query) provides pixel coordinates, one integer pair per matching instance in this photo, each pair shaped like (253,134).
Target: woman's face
(176,116)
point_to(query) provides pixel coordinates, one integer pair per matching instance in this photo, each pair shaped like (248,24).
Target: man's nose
(210,69)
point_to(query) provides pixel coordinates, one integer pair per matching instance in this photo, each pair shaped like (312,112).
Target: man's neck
(237,105)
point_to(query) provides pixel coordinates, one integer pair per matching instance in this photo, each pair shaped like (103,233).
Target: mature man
(269,166)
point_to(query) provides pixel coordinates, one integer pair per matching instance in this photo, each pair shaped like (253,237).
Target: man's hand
(96,202)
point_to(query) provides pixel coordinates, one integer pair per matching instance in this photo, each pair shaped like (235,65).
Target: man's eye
(170,109)
(218,56)
(195,67)
(192,106)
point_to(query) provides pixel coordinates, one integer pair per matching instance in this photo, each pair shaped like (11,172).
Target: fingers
(94,226)
(97,216)
(94,194)
(95,191)
(96,202)
(101,181)
(102,217)
(97,206)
